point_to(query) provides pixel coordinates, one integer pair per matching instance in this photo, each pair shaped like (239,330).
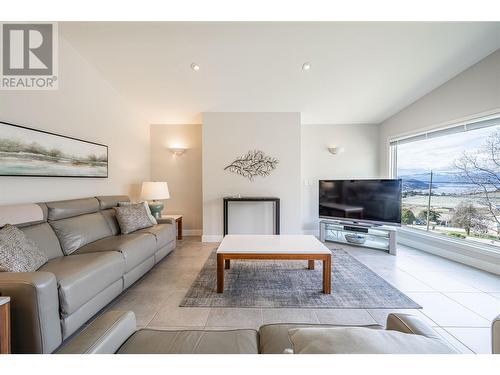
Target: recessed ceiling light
(195,67)
(306,66)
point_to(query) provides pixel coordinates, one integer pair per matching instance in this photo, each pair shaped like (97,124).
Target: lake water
(15,166)
(450,188)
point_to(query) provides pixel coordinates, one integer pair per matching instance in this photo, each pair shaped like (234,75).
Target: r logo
(27,49)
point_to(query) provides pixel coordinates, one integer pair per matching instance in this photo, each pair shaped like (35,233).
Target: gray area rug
(291,284)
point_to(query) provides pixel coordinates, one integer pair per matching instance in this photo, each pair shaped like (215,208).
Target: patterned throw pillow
(17,252)
(150,215)
(132,218)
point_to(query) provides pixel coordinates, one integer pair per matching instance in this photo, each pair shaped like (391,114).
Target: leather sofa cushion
(110,201)
(135,247)
(359,340)
(495,335)
(104,335)
(164,233)
(110,217)
(81,277)
(147,341)
(64,209)
(78,231)
(274,337)
(71,323)
(45,238)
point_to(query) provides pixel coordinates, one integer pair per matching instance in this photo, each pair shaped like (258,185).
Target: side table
(4,325)
(178,221)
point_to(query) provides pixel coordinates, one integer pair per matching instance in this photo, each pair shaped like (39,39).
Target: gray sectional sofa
(115,332)
(90,264)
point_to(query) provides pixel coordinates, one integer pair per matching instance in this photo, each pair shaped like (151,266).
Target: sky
(440,153)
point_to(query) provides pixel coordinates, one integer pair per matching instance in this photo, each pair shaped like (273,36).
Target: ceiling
(362,72)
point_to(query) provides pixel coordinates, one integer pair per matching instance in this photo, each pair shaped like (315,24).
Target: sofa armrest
(36,326)
(172,223)
(407,323)
(495,335)
(105,335)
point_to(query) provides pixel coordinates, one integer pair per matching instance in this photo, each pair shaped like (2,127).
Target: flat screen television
(370,201)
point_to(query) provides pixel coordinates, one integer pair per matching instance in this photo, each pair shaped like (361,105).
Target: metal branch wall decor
(253,163)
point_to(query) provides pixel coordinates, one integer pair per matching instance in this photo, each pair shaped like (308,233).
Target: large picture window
(451,181)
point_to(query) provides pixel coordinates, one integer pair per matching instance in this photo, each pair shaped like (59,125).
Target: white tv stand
(378,237)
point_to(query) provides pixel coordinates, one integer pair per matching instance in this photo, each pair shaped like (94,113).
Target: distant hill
(443,181)
(437,177)
(412,184)
(419,180)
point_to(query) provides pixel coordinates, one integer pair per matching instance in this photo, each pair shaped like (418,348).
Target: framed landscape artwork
(30,152)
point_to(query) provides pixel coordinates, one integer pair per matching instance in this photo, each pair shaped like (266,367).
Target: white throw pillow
(362,340)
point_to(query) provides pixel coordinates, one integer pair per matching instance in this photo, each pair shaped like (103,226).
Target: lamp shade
(154,190)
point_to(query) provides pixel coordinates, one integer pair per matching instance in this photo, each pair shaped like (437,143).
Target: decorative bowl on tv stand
(355,238)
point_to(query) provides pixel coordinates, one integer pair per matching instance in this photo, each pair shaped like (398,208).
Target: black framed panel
(227,200)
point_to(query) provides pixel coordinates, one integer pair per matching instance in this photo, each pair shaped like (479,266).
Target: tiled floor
(457,300)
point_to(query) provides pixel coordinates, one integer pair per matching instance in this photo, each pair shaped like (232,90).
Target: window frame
(467,248)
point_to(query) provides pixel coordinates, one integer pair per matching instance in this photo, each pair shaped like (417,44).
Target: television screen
(377,201)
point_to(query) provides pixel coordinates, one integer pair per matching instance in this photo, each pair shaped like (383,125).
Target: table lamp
(153,191)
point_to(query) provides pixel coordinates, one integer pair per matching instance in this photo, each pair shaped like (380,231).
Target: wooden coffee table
(273,247)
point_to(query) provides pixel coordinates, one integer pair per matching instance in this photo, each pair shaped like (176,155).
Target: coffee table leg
(310,264)
(220,273)
(227,264)
(327,275)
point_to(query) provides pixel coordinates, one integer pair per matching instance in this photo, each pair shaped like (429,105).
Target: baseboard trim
(211,238)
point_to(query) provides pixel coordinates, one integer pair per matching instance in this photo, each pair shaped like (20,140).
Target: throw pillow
(362,340)
(150,215)
(17,252)
(132,217)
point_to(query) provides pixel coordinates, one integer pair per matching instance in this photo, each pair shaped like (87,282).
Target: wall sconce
(335,150)
(177,151)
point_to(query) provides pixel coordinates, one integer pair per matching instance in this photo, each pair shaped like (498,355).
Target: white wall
(183,173)
(474,92)
(229,135)
(85,106)
(359,160)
